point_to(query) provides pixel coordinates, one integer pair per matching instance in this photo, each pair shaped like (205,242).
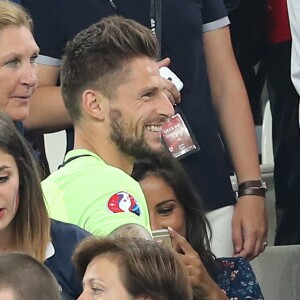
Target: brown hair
(31,224)
(12,14)
(27,278)
(146,268)
(97,58)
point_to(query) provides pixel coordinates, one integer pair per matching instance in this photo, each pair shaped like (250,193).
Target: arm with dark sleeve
(65,237)
(233,110)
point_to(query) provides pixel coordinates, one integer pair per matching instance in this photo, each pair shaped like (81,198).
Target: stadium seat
(278,272)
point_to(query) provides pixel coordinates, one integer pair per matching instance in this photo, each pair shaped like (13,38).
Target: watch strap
(251,192)
(259,183)
(252,187)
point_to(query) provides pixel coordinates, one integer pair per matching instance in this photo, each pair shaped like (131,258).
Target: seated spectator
(25,225)
(173,202)
(22,277)
(130,268)
(115,96)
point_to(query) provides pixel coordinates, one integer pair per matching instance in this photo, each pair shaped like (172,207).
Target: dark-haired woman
(174,204)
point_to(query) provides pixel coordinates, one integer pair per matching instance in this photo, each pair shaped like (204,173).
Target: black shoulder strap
(155,19)
(72,158)
(158,16)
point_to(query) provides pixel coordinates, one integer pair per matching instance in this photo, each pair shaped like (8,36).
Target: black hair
(198,230)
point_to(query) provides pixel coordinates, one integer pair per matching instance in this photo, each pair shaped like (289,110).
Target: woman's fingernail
(171,229)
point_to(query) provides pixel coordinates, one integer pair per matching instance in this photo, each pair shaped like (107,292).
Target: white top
(50,250)
(294,17)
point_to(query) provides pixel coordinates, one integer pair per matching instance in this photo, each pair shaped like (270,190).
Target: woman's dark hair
(31,224)
(198,230)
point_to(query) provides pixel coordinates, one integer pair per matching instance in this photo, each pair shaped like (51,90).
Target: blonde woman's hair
(12,14)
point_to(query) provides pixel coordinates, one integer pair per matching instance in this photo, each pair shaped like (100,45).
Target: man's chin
(157,148)
(149,151)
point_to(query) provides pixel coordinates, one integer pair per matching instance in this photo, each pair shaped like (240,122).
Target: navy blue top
(57,21)
(236,278)
(65,238)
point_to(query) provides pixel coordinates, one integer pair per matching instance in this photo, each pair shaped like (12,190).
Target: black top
(65,238)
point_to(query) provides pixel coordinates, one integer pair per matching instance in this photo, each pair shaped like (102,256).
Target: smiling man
(115,96)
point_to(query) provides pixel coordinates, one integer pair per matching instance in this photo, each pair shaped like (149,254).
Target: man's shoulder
(86,167)
(84,171)
(86,190)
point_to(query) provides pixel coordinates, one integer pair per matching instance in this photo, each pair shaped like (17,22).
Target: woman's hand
(199,277)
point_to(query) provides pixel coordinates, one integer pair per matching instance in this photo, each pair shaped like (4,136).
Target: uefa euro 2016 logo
(123,202)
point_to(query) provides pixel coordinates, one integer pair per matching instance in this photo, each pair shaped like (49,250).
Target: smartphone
(166,73)
(162,236)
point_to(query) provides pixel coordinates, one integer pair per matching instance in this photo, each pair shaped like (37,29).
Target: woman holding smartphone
(174,204)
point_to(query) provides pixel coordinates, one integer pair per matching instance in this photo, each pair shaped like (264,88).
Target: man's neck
(105,149)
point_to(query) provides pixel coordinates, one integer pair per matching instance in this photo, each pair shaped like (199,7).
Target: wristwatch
(256,187)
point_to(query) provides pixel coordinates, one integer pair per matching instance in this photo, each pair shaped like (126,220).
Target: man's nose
(165,107)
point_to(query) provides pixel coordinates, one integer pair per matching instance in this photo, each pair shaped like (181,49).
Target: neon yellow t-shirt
(93,195)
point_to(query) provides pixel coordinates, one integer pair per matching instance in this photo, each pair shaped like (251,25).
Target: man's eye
(3,179)
(148,95)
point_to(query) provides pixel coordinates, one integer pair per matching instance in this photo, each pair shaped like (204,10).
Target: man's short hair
(27,278)
(98,56)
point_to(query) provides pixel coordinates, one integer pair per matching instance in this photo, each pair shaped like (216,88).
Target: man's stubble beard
(123,136)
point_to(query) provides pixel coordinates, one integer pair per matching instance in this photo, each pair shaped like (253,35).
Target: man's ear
(94,104)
